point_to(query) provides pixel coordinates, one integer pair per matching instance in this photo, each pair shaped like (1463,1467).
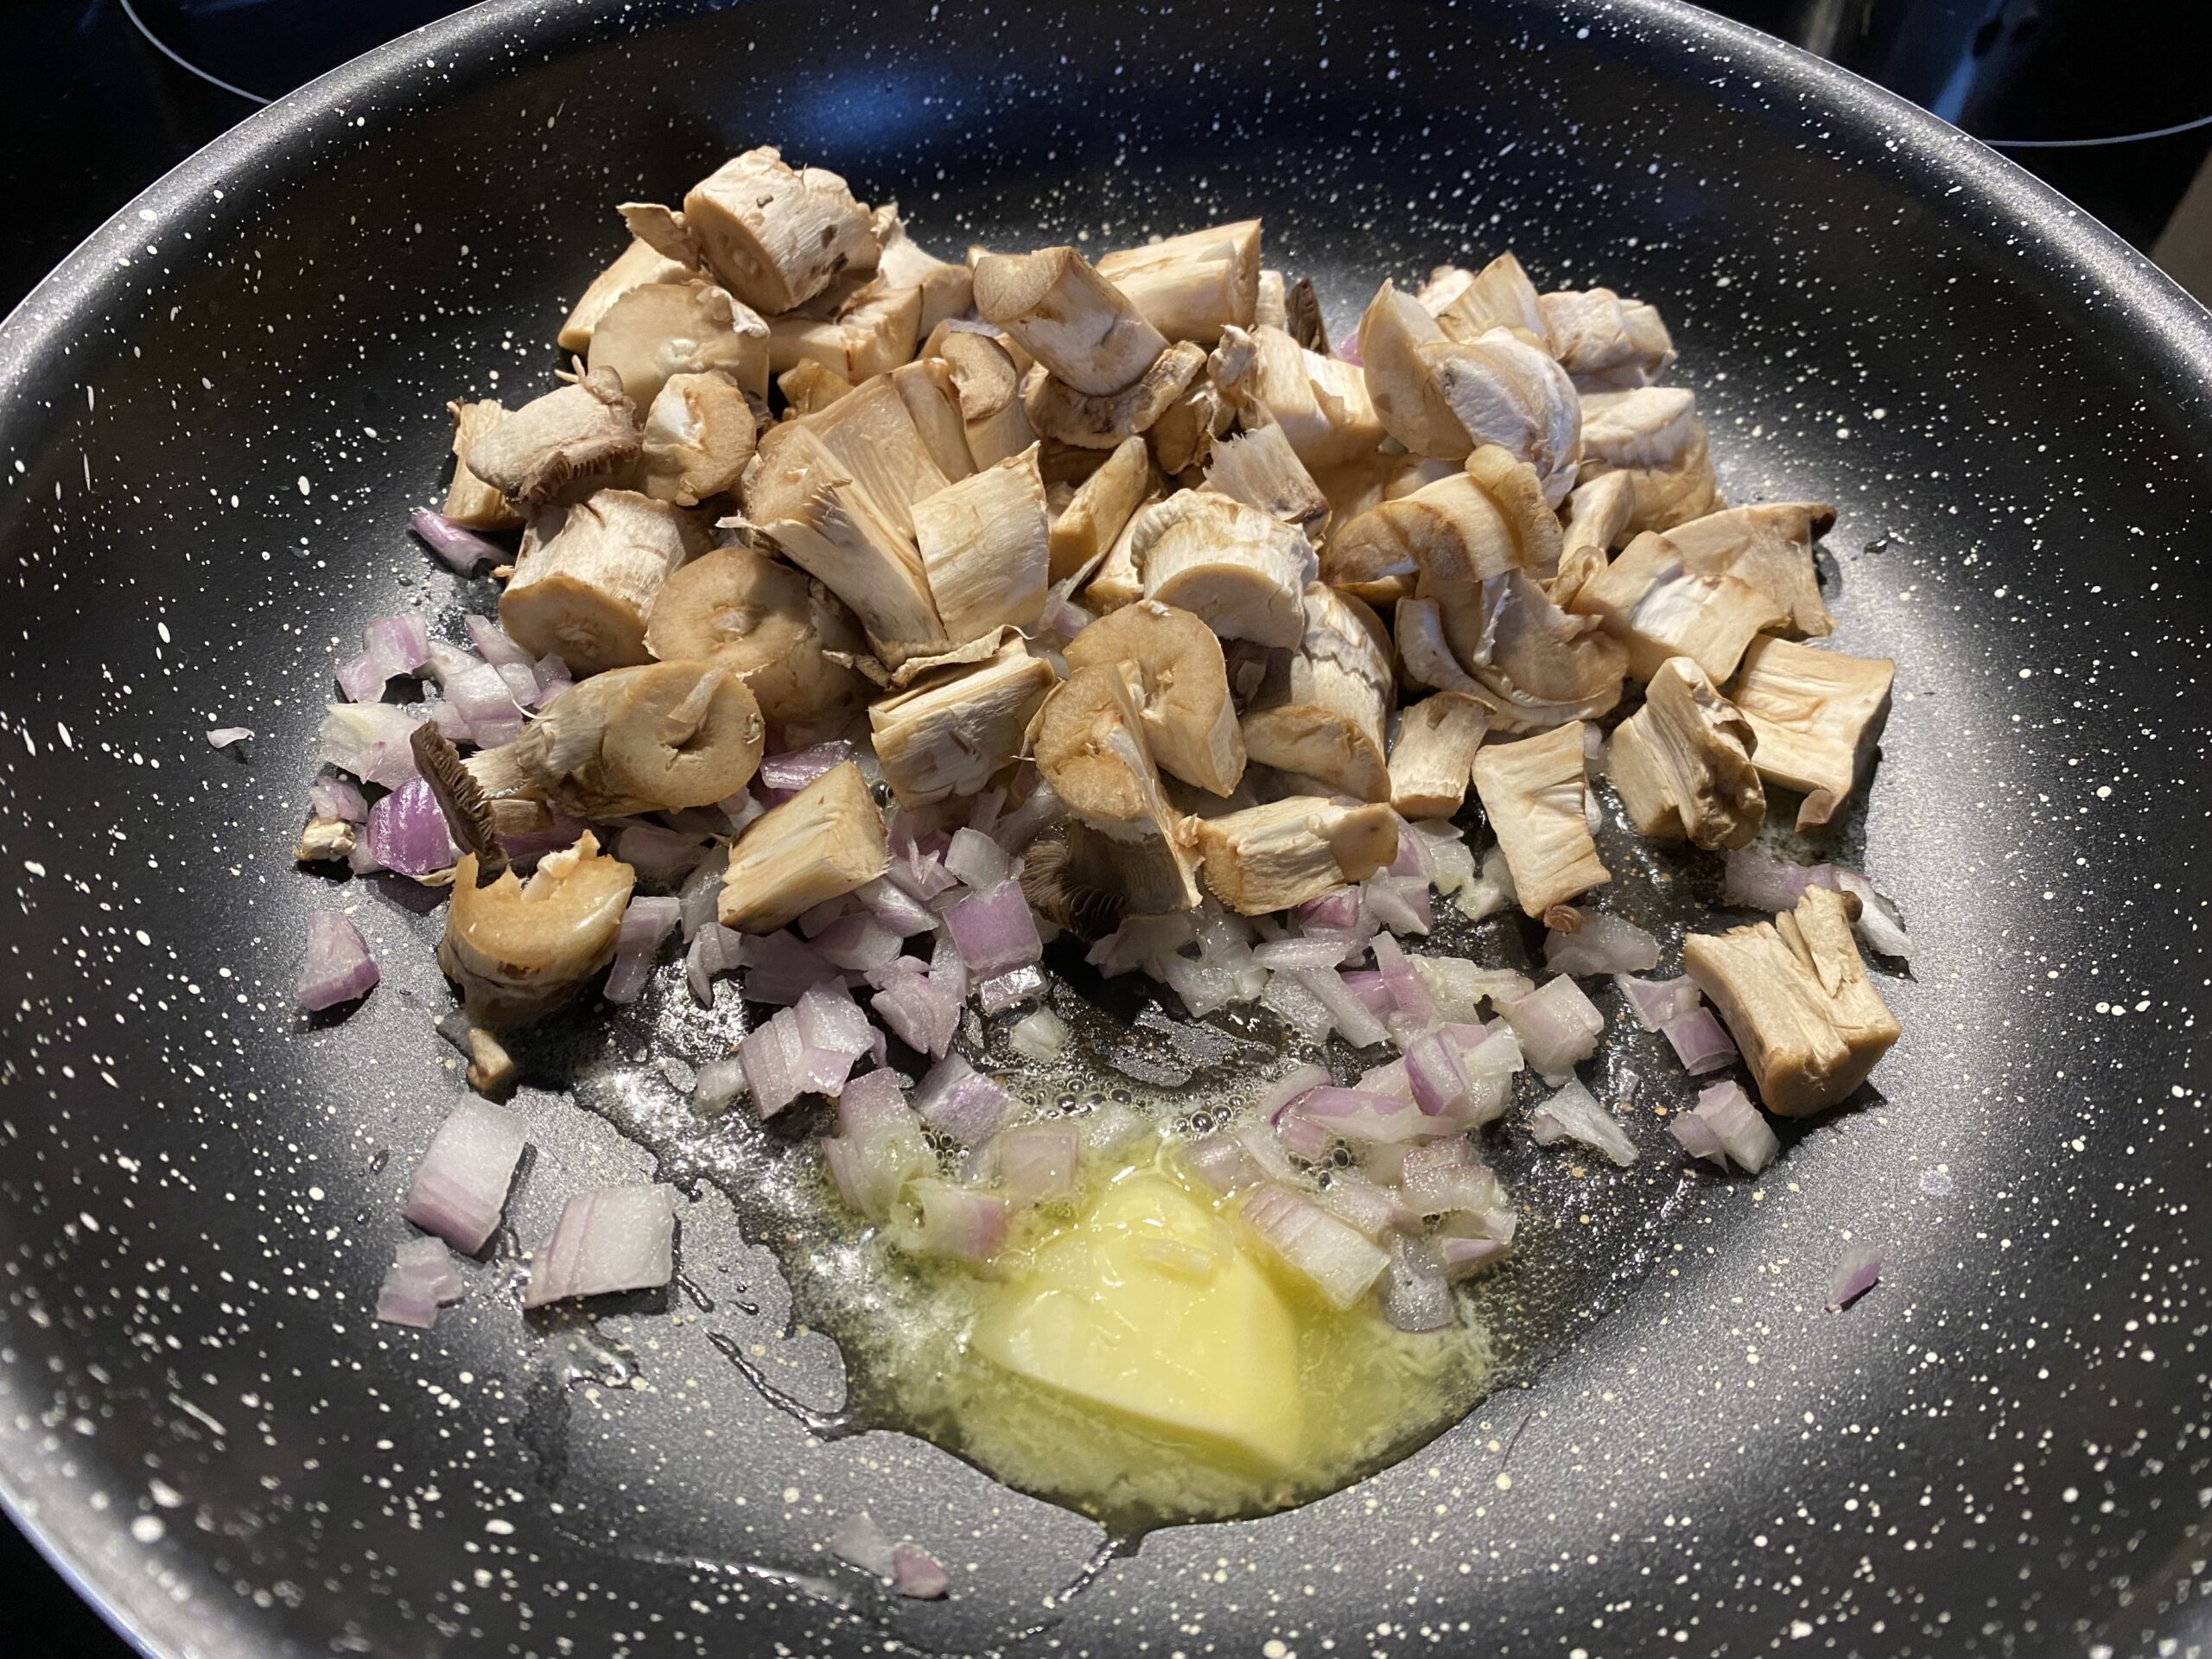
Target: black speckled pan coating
(214,416)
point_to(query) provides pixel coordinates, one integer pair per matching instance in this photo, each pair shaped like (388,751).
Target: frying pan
(216,412)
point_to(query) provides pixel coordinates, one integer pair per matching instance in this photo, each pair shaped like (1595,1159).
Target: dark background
(104,110)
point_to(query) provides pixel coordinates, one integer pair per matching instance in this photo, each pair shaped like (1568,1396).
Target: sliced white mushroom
(587,576)
(1192,286)
(772,627)
(1239,569)
(1533,792)
(1059,410)
(1604,341)
(1795,995)
(958,727)
(1189,719)
(1817,715)
(1770,547)
(1598,515)
(1321,403)
(1087,741)
(1269,307)
(1683,763)
(1115,582)
(469,499)
(699,437)
(1651,429)
(1392,332)
(985,544)
(662,229)
(1326,721)
(1075,323)
(1659,604)
(990,388)
(1182,437)
(1424,656)
(809,387)
(945,288)
(1271,857)
(519,949)
(1499,295)
(1099,510)
(821,844)
(1444,538)
(858,332)
(836,536)
(667,329)
(1432,754)
(870,438)
(1260,468)
(635,266)
(560,445)
(1666,496)
(774,236)
(1509,392)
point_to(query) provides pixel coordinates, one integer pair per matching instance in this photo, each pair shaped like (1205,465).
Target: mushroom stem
(1271,857)
(1533,792)
(821,844)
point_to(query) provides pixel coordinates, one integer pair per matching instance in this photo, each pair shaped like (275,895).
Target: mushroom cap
(680,734)
(1190,724)
(699,435)
(660,329)
(518,948)
(767,624)
(1087,744)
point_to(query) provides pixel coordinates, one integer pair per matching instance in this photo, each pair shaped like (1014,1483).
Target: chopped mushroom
(1181,438)
(1683,763)
(772,627)
(1101,420)
(1433,758)
(1649,427)
(1817,715)
(1077,324)
(1192,286)
(1533,792)
(699,436)
(866,329)
(946,288)
(985,545)
(1469,304)
(1663,497)
(1450,537)
(1190,723)
(1261,469)
(469,500)
(896,440)
(810,387)
(587,576)
(1795,995)
(1099,510)
(1242,571)
(1321,403)
(1271,304)
(1089,743)
(635,266)
(821,844)
(563,445)
(774,236)
(1115,583)
(670,328)
(1598,515)
(1604,341)
(518,948)
(1271,857)
(1660,604)
(954,730)
(1325,721)
(1768,547)
(989,388)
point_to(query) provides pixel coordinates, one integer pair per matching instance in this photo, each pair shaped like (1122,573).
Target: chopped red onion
(1011,989)
(1758,881)
(811,923)
(1387,1078)
(1287,1090)
(1037,1162)
(553,678)
(1369,986)
(1352,1017)
(717,1086)
(919,1007)
(878,1150)
(1221,1163)
(859,1541)
(1206,984)
(1341,1264)
(1604,944)
(1697,1138)
(1040,809)
(608,1239)
(420,1280)
(222,737)
(1460,987)
(358,678)
(484,701)
(1657,1003)
(1879,927)
(461,549)
(397,644)
(1337,909)
(835,1034)
(896,908)
(961,1104)
(977,859)
(957,1221)
(407,832)
(871,1100)
(1445,1177)
(1558,1026)
(1701,1042)
(1727,1128)
(1438,1078)
(700,896)
(493,643)
(333,797)
(917,1575)
(799,767)
(1308,1137)
(1298,1007)
(994,930)
(646,924)
(1296,953)
(775,1060)
(1858,1272)
(916,867)
(778,967)
(983,812)
(1447,859)
(460,1186)
(1408,988)
(1146,942)
(1574,1113)
(1415,1294)
(1040,1036)
(1399,903)
(370,740)
(447,661)
(714,950)
(337,967)
(1360,1204)
(1462,1253)
(858,942)
(661,857)
(1360,1116)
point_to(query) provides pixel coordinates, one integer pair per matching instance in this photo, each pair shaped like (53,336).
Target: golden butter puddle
(1140,1356)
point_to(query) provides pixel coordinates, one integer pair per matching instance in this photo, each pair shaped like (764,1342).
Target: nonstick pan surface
(215,415)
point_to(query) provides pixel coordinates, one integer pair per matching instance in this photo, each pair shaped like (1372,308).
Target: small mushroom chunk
(1189,721)
(895,440)
(836,536)
(1115,582)
(1793,994)
(810,387)
(1240,571)
(1392,332)
(668,329)
(1433,757)
(654,739)
(774,236)
(957,728)
(1424,656)
(563,445)
(773,629)
(587,576)
(1260,468)
(1321,403)
(990,388)
(1660,604)
(1649,427)
(1770,547)
(1075,323)
(985,545)
(1100,421)
(1597,516)
(1683,763)
(1817,715)
(635,266)
(1469,304)
(1088,739)
(1301,317)
(469,499)
(1192,286)
(1099,510)
(1604,340)
(946,289)
(1181,438)
(821,844)
(1271,302)
(1532,791)
(861,331)
(519,950)
(699,436)
(1446,537)
(1269,858)
(1665,496)
(1325,723)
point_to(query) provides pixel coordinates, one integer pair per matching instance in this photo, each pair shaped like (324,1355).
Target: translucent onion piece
(460,1186)
(609,1239)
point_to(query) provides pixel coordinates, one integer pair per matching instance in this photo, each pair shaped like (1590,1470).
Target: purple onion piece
(460,1186)
(797,768)
(337,967)
(1858,1272)
(463,550)
(1701,1042)
(994,930)
(609,1239)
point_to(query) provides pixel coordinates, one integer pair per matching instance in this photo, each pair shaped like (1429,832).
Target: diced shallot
(421,1281)
(461,549)
(1858,1272)
(778,967)
(957,1221)
(1558,1026)
(1727,1128)
(223,737)
(799,767)
(994,930)
(1701,1041)
(407,832)
(1011,989)
(1437,1077)
(460,1186)
(1341,1264)
(774,1058)
(1657,1003)
(1602,945)
(337,967)
(961,1104)
(1415,1294)
(1037,1162)
(1573,1114)
(916,1574)
(609,1238)
(646,924)
(978,860)
(1352,1017)
(1039,1036)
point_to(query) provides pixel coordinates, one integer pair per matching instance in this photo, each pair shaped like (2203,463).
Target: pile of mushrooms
(1198,631)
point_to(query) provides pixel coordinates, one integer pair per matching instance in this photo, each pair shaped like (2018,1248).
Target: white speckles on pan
(1998,1450)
